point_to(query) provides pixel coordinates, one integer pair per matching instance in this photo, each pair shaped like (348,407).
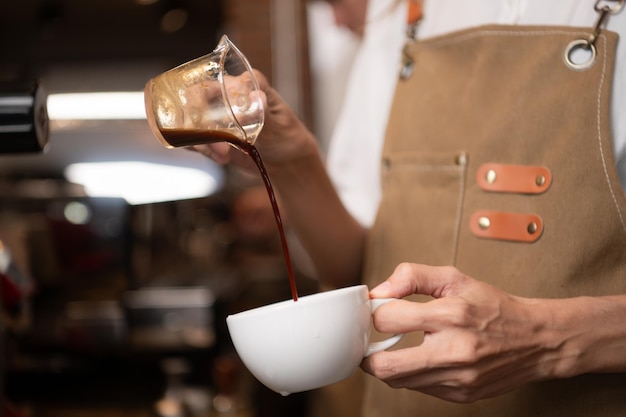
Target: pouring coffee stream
(213,98)
(195,137)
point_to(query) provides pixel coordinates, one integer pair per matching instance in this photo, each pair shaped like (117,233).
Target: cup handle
(375,347)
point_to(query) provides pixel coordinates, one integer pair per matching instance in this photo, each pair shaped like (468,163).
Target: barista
(501,219)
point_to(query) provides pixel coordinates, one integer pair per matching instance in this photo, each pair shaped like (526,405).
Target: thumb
(410,278)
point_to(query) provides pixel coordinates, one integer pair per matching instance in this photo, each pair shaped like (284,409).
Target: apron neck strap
(414,16)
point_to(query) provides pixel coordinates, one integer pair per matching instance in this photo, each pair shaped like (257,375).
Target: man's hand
(479,342)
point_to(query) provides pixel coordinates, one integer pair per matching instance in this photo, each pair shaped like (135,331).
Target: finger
(404,316)
(201,149)
(264,84)
(410,278)
(271,99)
(397,364)
(418,378)
(424,364)
(435,382)
(218,152)
(452,381)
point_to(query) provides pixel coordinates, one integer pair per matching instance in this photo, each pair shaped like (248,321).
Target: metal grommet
(577,46)
(532,228)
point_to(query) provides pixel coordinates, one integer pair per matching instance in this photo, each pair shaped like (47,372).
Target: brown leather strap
(518,227)
(521,179)
(415,12)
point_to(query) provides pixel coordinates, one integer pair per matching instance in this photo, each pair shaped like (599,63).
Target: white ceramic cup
(295,346)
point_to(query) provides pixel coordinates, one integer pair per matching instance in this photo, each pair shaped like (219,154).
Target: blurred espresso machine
(24,128)
(24,123)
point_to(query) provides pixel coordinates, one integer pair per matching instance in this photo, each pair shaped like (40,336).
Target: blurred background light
(126,105)
(141,182)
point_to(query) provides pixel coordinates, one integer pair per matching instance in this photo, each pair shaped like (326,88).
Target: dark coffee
(183,137)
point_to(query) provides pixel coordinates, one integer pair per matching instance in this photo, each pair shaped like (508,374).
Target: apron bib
(498,160)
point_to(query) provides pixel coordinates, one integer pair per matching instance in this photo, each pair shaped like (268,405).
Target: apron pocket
(419,215)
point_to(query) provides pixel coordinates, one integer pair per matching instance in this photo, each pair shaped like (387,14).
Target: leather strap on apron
(498,160)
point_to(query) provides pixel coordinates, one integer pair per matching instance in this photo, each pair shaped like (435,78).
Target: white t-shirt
(355,147)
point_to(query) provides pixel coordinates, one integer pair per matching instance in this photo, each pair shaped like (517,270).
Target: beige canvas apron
(498,160)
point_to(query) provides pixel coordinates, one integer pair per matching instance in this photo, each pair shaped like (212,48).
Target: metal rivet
(461,159)
(484,223)
(540,180)
(532,228)
(491,176)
